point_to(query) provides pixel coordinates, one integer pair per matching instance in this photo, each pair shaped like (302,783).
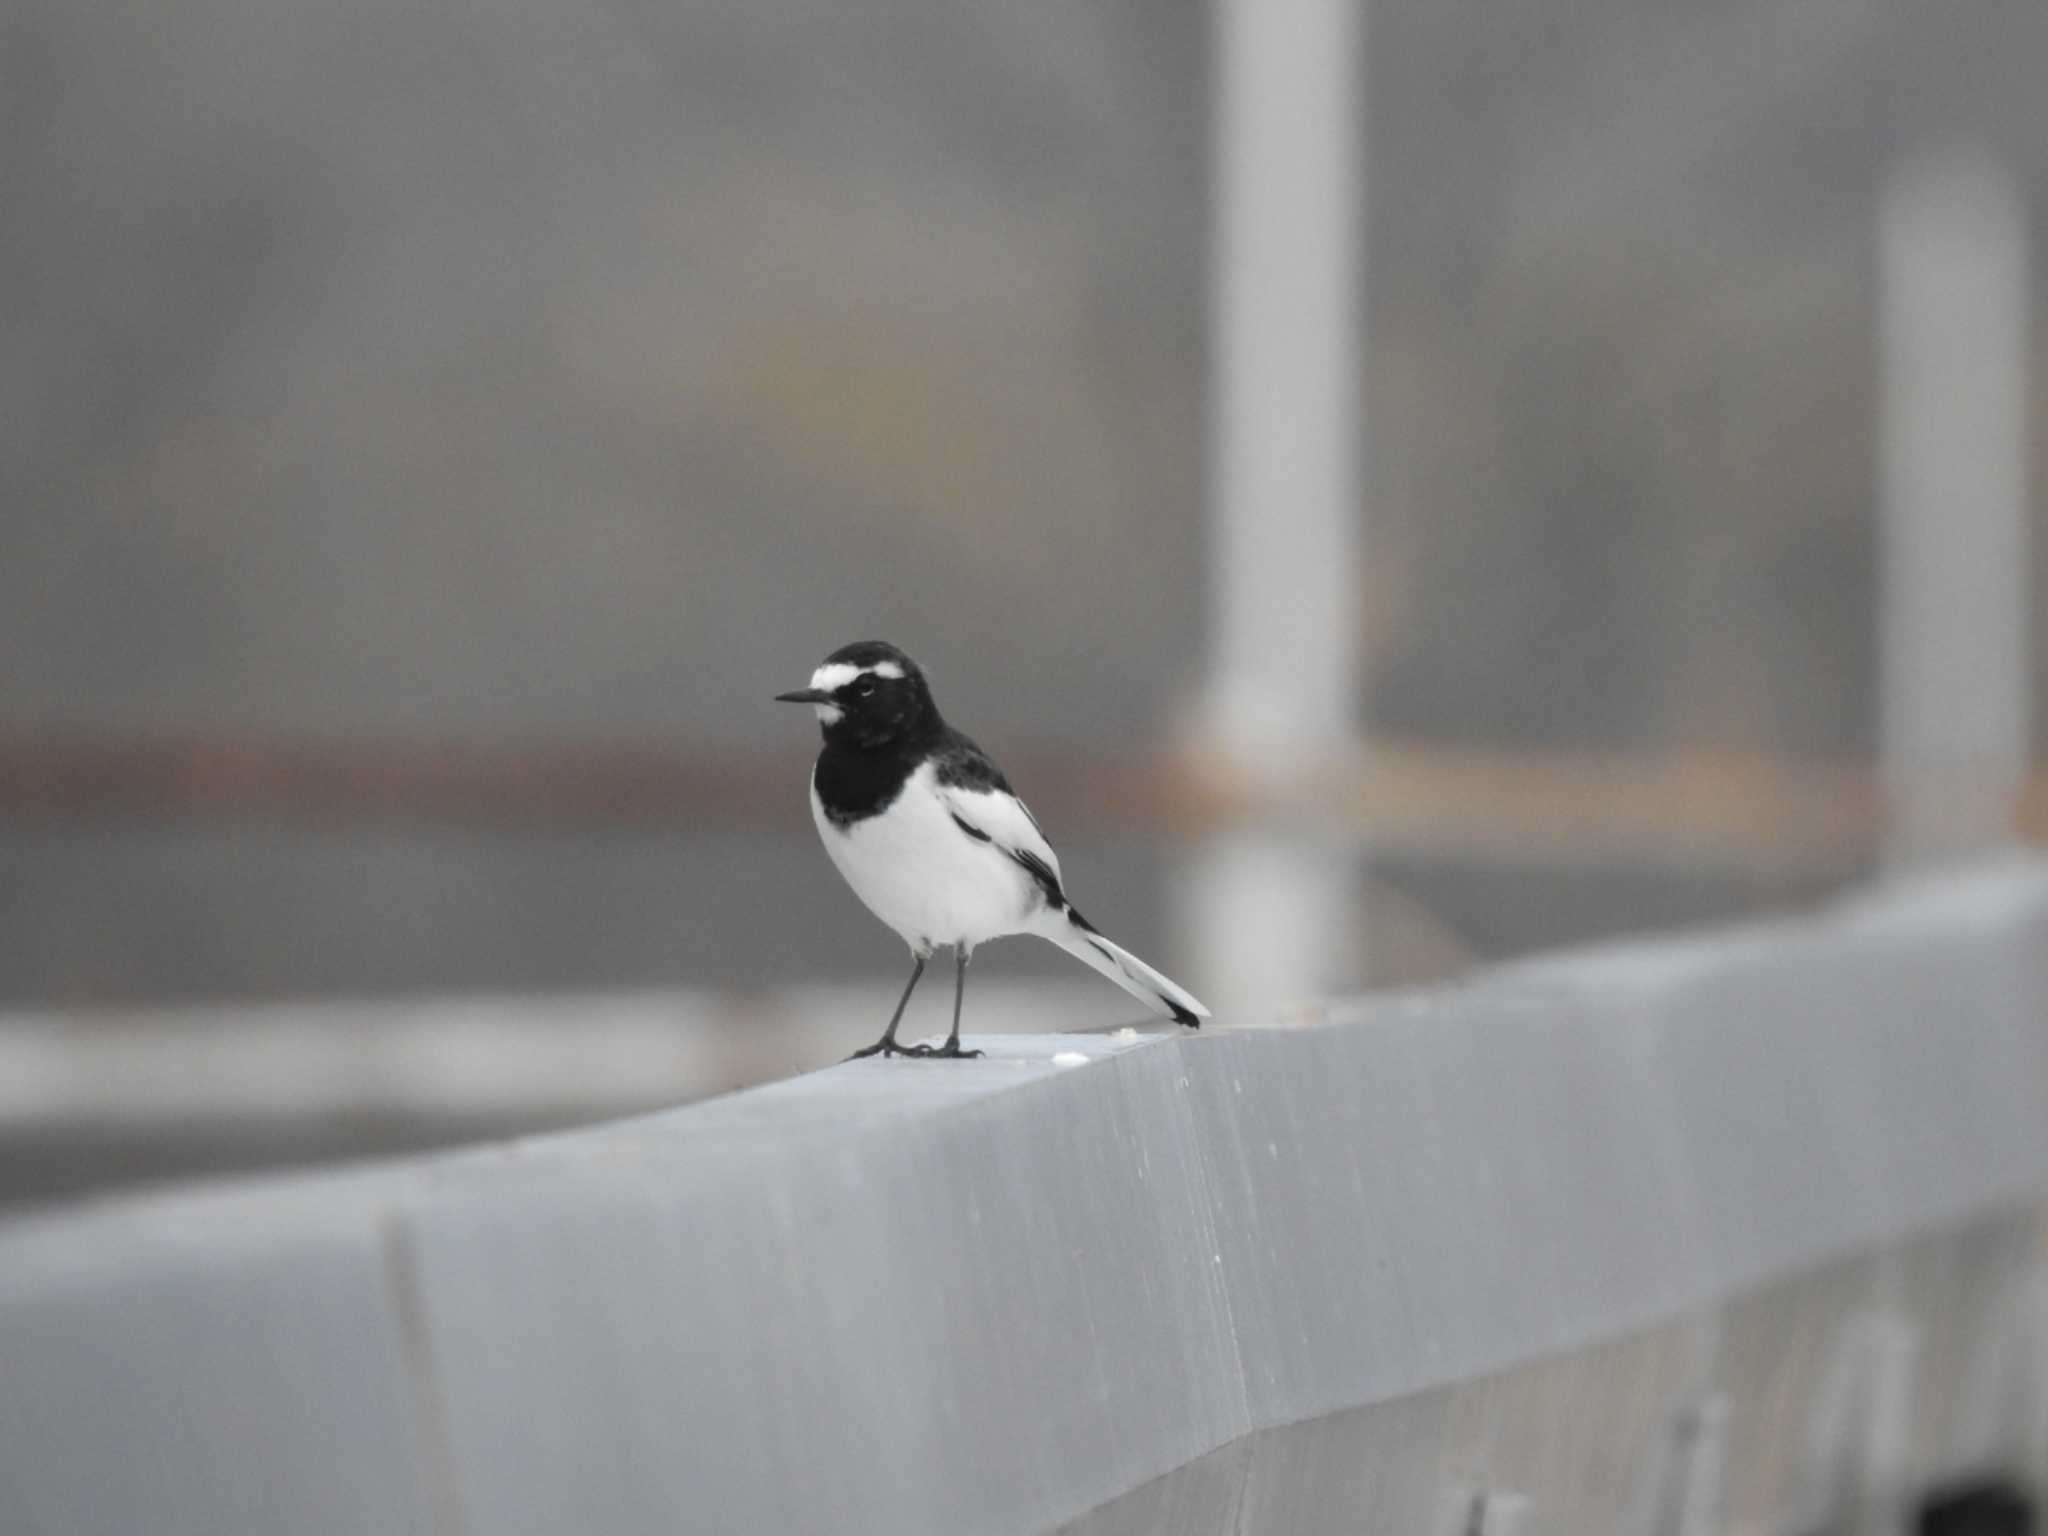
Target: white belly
(924,877)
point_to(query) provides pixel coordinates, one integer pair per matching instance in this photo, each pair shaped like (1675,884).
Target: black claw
(952,1051)
(890,1048)
(887,1046)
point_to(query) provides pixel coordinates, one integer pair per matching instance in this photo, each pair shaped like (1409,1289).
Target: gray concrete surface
(1745,1224)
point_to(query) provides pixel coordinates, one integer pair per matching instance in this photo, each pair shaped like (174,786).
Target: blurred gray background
(428,391)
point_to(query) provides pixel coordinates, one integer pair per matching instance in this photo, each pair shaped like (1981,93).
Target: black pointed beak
(804,696)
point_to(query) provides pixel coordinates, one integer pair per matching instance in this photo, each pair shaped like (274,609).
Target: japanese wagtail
(929,834)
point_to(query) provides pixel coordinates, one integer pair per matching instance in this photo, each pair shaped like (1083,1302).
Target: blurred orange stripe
(1412,797)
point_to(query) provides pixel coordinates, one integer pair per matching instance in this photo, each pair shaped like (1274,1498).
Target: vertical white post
(1268,917)
(1954,565)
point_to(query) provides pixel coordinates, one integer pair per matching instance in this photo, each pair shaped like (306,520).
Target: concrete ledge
(1001,1295)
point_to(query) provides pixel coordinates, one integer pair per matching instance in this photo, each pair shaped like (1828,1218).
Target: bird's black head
(869,695)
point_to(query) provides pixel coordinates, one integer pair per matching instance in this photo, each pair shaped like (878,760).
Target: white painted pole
(1953,613)
(1268,917)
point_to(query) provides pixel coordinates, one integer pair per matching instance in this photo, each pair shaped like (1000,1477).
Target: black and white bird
(930,835)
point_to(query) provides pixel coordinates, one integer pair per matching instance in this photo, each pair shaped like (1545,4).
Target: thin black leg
(952,1045)
(887,1045)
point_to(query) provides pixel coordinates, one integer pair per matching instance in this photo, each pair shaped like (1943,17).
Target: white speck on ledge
(1125,1035)
(1069,1059)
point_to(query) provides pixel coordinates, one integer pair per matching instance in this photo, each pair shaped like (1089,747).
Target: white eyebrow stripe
(838,674)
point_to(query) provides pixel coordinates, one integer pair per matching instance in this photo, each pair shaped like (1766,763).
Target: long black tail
(1077,936)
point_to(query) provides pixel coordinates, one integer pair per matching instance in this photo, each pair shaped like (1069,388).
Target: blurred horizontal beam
(96,1098)
(352,781)
(479,1059)
(1751,810)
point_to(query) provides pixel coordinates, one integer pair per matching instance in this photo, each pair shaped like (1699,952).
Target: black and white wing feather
(985,808)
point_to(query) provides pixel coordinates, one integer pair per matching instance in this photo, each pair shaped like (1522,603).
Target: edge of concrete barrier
(995,1295)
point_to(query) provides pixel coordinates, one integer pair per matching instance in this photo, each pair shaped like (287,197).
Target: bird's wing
(984,806)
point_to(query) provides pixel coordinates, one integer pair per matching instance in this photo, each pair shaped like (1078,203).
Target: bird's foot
(886,1047)
(952,1050)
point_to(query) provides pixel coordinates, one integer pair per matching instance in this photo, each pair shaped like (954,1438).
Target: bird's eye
(864,687)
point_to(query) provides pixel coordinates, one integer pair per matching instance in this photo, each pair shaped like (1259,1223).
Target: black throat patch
(855,783)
